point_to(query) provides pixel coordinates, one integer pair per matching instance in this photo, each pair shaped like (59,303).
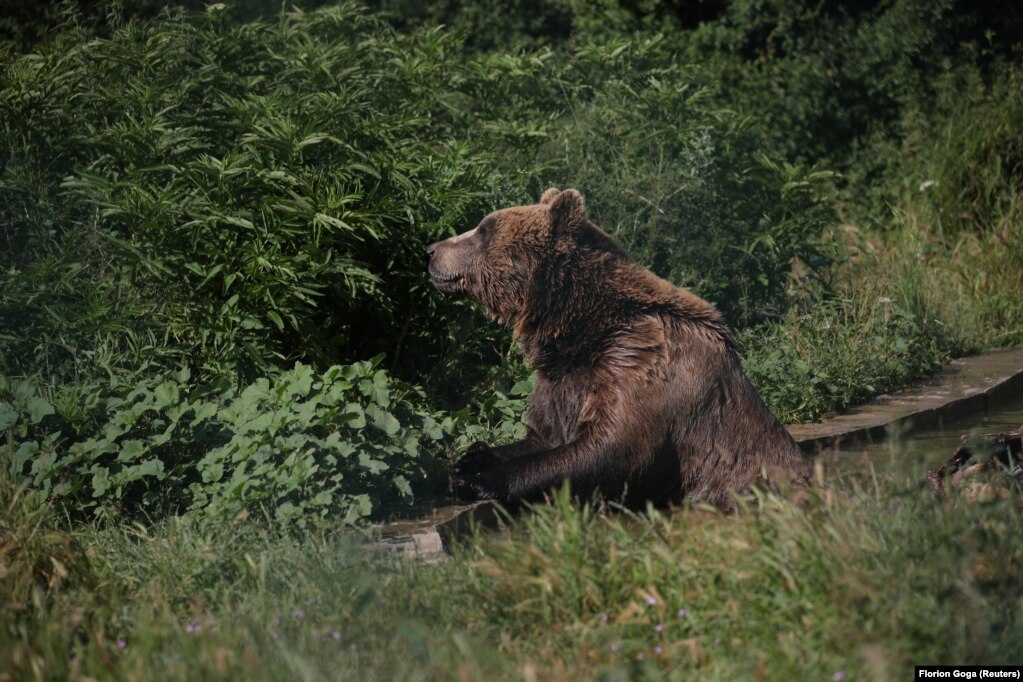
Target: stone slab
(431,537)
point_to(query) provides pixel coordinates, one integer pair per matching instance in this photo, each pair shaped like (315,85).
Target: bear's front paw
(475,487)
(478,458)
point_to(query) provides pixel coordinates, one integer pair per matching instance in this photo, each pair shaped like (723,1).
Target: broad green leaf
(8,416)
(130,450)
(301,379)
(24,452)
(402,484)
(38,408)
(384,419)
(166,393)
(100,481)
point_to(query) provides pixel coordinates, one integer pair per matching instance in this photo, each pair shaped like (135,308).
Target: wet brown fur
(640,392)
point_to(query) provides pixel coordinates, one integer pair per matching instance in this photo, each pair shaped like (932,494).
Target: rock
(982,468)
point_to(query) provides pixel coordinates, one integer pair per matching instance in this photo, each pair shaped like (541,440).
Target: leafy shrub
(827,80)
(232,197)
(302,447)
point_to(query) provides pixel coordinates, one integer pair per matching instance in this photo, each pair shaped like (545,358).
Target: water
(915,451)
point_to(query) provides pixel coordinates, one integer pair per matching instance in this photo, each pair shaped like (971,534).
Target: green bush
(301,448)
(232,197)
(681,181)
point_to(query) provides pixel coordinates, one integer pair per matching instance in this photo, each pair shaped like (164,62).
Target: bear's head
(496,261)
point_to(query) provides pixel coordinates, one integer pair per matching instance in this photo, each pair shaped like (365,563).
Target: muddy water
(914,451)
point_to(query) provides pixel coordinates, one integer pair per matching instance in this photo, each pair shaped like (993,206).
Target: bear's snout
(446,266)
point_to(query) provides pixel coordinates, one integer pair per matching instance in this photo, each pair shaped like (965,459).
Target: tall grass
(903,304)
(865,582)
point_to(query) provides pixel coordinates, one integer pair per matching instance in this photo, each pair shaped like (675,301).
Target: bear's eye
(485,228)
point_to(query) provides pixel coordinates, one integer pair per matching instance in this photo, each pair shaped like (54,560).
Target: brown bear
(640,393)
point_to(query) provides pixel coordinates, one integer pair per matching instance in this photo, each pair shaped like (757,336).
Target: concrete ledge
(962,387)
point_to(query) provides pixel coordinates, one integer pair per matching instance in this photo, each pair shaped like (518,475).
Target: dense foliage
(300,448)
(195,200)
(233,197)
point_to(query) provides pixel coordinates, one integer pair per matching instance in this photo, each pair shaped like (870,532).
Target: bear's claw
(477,459)
(471,488)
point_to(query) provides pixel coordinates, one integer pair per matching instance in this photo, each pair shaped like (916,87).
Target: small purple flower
(640,656)
(603,617)
(273,634)
(335,635)
(353,647)
(651,601)
(658,650)
(658,628)
(682,613)
(277,621)
(614,647)
(717,640)
(121,644)
(194,627)
(838,677)
(299,613)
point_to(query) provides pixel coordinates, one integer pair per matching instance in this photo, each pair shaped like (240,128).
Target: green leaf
(385,420)
(38,408)
(8,415)
(402,484)
(354,415)
(43,466)
(166,393)
(321,499)
(373,466)
(286,512)
(24,453)
(152,467)
(100,481)
(203,412)
(522,388)
(432,429)
(130,450)
(301,380)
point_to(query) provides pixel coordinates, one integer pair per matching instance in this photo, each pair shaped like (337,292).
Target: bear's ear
(568,210)
(549,196)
